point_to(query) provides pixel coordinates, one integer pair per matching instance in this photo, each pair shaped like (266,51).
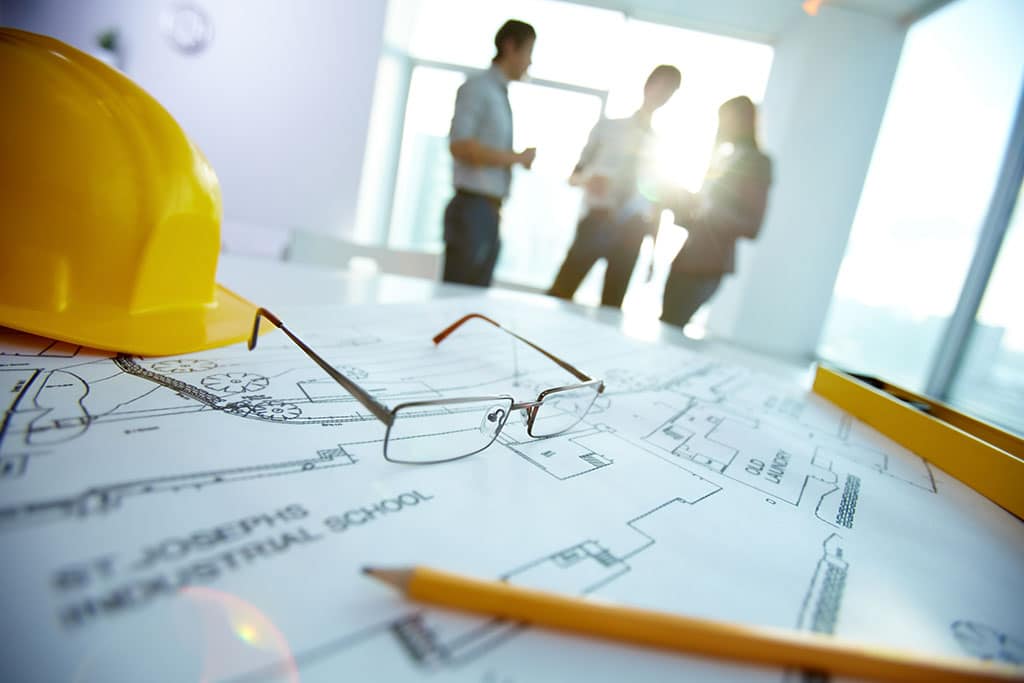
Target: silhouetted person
(730,205)
(617,219)
(481,145)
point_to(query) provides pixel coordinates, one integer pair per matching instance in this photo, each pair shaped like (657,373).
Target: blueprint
(205,517)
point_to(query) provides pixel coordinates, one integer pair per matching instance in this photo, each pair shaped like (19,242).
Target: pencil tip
(398,578)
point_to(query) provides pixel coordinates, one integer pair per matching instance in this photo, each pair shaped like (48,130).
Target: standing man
(615,158)
(481,145)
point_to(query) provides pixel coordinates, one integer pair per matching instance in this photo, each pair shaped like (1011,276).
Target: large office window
(990,380)
(588,62)
(546,117)
(424,172)
(939,154)
(538,218)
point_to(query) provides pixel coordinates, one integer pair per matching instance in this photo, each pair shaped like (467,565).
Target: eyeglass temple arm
(378,409)
(443,334)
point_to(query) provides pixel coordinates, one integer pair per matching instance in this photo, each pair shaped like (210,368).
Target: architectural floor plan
(206,516)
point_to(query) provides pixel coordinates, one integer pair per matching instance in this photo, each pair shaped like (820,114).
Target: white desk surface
(164,524)
(275,283)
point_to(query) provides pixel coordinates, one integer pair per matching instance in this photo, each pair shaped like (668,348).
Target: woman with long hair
(730,205)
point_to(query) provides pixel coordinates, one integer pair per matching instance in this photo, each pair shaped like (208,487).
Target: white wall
(828,88)
(279,101)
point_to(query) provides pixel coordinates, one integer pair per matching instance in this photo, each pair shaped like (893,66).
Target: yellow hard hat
(111,216)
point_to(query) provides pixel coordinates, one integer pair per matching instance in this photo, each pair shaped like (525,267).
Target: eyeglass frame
(388,415)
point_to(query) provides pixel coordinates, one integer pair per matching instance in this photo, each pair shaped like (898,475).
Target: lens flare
(238,638)
(247,633)
(812,7)
(201,635)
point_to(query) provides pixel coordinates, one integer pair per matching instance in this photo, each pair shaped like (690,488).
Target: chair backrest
(251,239)
(326,250)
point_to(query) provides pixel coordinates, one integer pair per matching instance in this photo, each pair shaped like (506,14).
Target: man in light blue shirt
(481,146)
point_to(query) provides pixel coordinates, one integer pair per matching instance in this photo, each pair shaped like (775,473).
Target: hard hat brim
(227,320)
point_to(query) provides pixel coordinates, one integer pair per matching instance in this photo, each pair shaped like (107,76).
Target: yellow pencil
(757,645)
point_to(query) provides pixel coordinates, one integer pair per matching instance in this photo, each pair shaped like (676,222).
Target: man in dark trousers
(617,154)
(481,146)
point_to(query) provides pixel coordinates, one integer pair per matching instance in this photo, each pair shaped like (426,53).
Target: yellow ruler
(986,458)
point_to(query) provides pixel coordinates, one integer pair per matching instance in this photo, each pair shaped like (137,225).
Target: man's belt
(493,201)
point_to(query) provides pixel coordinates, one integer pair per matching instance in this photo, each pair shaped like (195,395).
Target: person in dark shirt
(730,205)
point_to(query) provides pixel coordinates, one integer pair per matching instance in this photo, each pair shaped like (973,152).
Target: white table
(275,283)
(158,511)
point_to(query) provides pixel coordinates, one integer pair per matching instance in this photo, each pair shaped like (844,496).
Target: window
(939,152)
(990,378)
(537,222)
(534,218)
(423,184)
(572,39)
(587,62)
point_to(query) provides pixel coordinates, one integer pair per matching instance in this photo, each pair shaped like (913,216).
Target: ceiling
(764,20)
(895,9)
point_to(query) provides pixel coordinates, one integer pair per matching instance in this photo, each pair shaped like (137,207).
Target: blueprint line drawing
(702,434)
(104,500)
(572,454)
(985,642)
(694,485)
(848,503)
(13,384)
(64,404)
(14,343)
(820,610)
(430,642)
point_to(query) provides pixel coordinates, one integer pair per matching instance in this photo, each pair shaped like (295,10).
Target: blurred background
(894,239)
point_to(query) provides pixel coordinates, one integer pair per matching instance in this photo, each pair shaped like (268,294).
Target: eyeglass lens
(445,430)
(562,410)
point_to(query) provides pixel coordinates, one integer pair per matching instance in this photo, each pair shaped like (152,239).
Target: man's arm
(587,155)
(472,153)
(595,184)
(465,148)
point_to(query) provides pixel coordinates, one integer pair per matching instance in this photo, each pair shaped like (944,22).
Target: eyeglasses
(444,429)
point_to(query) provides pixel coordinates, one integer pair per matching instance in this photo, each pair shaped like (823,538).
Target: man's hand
(683,204)
(526,157)
(597,185)
(472,153)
